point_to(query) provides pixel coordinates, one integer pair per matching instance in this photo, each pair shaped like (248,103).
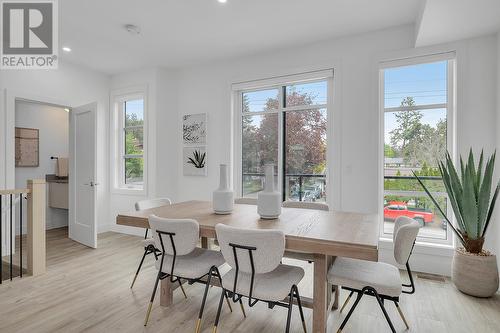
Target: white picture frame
(191,159)
(194,129)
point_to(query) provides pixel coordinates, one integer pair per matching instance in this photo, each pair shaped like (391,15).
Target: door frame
(7,133)
(72,171)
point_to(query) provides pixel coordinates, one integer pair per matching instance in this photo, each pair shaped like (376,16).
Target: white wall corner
(418,20)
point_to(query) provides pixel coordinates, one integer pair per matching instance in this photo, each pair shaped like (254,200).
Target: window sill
(443,250)
(129,191)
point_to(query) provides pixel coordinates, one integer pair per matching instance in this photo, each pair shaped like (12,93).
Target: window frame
(280,83)
(450,106)
(118,99)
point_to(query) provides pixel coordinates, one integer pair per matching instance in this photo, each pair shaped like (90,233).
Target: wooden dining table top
(333,233)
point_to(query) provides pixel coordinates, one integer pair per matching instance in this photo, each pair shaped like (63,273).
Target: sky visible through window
(426,83)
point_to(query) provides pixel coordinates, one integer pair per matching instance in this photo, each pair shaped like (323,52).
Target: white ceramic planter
(269,200)
(222,198)
(475,275)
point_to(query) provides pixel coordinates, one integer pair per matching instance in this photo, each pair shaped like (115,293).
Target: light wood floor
(86,290)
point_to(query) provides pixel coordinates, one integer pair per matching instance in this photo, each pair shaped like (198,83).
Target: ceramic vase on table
(222,198)
(269,200)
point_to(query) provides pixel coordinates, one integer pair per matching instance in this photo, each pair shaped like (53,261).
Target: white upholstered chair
(180,258)
(381,280)
(148,243)
(256,270)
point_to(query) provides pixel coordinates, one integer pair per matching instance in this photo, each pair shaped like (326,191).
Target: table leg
(320,313)
(166,292)
(204,242)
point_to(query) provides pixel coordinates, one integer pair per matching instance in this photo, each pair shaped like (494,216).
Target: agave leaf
(471,166)
(452,196)
(479,174)
(460,237)
(483,199)
(191,161)
(492,206)
(462,168)
(469,204)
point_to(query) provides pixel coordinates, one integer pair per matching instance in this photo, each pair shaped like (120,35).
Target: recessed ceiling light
(222,1)
(133,29)
(66,49)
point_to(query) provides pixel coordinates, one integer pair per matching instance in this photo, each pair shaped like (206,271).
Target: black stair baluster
(10,230)
(21,235)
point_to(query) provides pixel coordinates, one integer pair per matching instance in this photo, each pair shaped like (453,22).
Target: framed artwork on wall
(194,129)
(27,148)
(194,161)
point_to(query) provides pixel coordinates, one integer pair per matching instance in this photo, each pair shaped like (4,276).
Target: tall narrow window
(417,135)
(129,145)
(285,125)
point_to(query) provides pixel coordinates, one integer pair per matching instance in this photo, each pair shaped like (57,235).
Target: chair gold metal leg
(229,304)
(182,288)
(242,309)
(346,301)
(402,315)
(198,325)
(339,331)
(148,313)
(133,281)
(214,330)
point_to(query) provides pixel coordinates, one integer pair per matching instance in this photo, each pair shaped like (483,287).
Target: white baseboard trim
(104,228)
(425,258)
(127,230)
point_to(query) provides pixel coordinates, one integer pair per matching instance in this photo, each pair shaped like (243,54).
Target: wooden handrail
(15,191)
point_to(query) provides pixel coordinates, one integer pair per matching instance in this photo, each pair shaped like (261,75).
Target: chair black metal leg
(182,288)
(221,300)
(346,319)
(299,304)
(381,303)
(200,315)
(152,298)
(290,307)
(227,301)
(146,251)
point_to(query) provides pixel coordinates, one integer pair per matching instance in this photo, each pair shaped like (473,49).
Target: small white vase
(222,198)
(269,200)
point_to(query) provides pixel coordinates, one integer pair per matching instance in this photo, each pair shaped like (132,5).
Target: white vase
(269,200)
(222,198)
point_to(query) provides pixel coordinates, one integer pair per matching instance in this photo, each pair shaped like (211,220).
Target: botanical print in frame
(27,146)
(194,129)
(194,161)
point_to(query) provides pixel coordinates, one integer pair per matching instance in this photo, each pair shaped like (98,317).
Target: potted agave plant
(474,270)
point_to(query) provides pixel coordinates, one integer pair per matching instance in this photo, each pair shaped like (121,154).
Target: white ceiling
(449,20)
(176,33)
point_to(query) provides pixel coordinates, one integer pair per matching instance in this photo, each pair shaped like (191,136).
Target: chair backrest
(187,233)
(306,205)
(152,203)
(405,232)
(269,244)
(245,201)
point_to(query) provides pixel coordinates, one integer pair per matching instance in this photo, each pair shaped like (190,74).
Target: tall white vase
(269,200)
(222,198)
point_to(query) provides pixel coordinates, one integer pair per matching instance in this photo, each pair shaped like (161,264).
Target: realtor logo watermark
(29,34)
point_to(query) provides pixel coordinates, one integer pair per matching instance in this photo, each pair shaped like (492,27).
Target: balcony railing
(301,193)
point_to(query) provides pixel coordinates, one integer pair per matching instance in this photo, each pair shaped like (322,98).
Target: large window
(129,166)
(417,101)
(286,125)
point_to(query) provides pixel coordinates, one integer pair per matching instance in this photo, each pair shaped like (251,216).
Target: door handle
(91,184)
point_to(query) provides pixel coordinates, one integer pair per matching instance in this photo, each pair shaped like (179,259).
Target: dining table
(319,236)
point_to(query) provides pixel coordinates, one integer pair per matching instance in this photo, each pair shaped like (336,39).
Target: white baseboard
(425,258)
(127,230)
(104,228)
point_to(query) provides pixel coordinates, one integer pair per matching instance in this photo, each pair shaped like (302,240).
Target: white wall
(69,85)
(355,60)
(53,125)
(161,139)
(496,228)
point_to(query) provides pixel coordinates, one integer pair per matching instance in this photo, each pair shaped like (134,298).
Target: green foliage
(198,159)
(470,195)
(134,167)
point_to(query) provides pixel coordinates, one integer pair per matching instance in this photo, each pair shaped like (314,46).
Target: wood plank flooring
(87,290)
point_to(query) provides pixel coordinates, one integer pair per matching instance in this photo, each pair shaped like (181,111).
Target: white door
(82,175)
